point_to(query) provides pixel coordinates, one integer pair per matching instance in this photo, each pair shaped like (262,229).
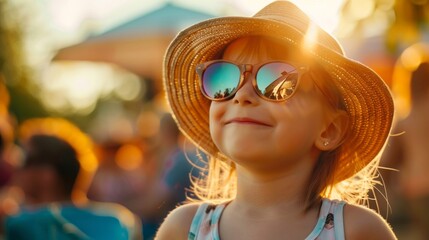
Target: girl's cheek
(213,121)
(216,113)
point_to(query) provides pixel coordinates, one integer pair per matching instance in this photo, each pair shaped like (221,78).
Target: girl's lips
(246,121)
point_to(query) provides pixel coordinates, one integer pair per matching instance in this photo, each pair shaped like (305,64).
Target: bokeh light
(76,86)
(129,157)
(407,62)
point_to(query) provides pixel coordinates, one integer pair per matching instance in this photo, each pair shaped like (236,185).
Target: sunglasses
(273,81)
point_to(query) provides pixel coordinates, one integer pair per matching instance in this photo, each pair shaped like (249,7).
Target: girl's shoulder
(176,225)
(363,223)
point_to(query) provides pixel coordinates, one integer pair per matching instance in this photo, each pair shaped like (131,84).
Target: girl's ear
(333,134)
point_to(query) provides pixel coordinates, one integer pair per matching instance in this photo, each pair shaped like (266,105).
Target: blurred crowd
(406,157)
(58,181)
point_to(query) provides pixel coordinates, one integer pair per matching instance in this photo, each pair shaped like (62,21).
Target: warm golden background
(97,63)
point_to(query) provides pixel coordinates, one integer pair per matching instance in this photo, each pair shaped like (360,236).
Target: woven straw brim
(367,98)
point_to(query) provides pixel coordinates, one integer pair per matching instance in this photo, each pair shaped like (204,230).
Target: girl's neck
(272,193)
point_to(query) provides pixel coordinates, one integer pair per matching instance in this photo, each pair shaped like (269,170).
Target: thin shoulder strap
(196,221)
(330,210)
(338,211)
(324,211)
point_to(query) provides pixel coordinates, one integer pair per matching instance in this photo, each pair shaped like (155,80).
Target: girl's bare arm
(364,223)
(176,225)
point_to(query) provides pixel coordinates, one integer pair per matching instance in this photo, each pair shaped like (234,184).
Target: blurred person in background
(58,167)
(409,153)
(121,175)
(179,165)
(10,158)
(12,70)
(6,138)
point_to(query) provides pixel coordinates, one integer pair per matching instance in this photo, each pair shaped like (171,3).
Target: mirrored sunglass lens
(220,80)
(277,80)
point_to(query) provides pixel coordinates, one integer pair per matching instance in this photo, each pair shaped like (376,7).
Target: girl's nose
(246,93)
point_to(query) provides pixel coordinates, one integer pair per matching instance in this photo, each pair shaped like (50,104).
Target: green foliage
(13,70)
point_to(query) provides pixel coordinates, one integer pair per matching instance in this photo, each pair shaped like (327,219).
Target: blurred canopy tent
(137,45)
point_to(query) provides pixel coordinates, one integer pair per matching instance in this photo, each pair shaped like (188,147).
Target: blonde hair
(218,182)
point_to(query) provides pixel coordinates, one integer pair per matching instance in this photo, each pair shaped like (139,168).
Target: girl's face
(263,134)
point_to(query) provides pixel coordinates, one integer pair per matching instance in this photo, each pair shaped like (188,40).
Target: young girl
(293,129)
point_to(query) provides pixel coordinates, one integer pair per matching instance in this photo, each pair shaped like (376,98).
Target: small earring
(325,143)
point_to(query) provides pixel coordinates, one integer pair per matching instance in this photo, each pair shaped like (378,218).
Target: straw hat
(367,98)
